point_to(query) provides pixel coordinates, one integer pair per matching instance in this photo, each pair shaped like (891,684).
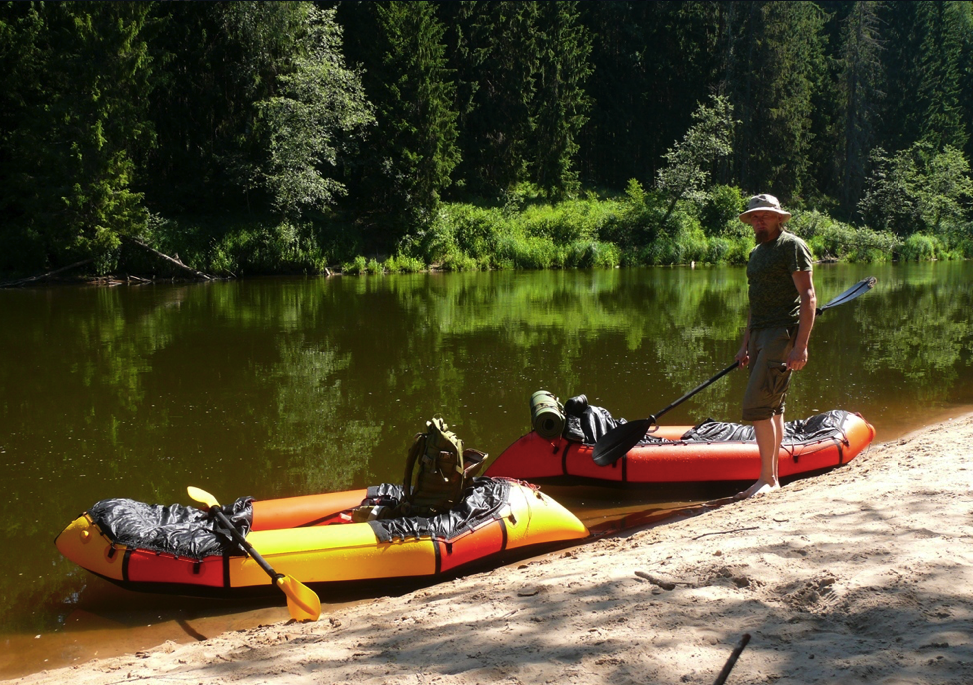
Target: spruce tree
(497,51)
(216,61)
(652,63)
(777,71)
(964,17)
(254,108)
(408,160)
(861,96)
(559,108)
(75,81)
(901,114)
(939,108)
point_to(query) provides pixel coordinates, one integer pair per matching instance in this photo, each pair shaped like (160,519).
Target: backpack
(444,470)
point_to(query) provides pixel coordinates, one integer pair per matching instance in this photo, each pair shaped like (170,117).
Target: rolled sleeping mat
(546,415)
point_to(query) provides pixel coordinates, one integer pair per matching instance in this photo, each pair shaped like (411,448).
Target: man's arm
(809,304)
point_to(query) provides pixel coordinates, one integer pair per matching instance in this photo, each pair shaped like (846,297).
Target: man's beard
(763,235)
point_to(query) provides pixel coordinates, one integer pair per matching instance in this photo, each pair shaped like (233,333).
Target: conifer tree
(900,118)
(496,51)
(939,108)
(652,63)
(777,70)
(75,79)
(216,60)
(861,95)
(254,107)
(408,162)
(559,107)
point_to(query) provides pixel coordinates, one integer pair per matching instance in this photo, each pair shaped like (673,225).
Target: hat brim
(745,217)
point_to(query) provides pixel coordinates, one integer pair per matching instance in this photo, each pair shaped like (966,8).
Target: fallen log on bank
(133,241)
(171,260)
(40,277)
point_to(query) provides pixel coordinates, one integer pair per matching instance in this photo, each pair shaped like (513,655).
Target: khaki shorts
(768,382)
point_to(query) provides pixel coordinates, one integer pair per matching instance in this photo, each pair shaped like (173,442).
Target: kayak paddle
(614,444)
(302,602)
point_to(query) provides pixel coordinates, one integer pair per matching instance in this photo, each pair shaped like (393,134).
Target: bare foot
(761,487)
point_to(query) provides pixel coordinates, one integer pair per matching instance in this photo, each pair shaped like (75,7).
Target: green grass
(526,233)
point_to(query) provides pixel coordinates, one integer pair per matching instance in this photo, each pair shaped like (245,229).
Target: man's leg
(779,434)
(769,434)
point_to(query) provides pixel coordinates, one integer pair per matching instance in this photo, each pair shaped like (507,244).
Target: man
(782,309)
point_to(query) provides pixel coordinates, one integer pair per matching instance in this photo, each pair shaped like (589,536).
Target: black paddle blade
(860,288)
(614,444)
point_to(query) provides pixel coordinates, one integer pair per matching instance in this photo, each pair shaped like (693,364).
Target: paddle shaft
(242,542)
(655,417)
(618,441)
(847,296)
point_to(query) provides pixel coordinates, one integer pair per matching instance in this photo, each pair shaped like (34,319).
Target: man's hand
(797,359)
(743,357)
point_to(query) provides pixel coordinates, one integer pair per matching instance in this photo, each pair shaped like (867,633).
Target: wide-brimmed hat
(764,203)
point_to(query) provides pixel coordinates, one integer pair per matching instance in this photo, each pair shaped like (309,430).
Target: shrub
(721,211)
(920,247)
(569,221)
(403,264)
(834,240)
(358,266)
(459,261)
(528,253)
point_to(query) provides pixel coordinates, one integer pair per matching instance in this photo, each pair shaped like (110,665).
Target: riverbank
(858,575)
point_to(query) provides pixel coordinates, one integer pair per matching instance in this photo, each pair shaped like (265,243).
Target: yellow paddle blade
(302,602)
(202,496)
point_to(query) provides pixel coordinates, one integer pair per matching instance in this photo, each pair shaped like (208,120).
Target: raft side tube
(529,457)
(533,458)
(535,518)
(84,544)
(304,511)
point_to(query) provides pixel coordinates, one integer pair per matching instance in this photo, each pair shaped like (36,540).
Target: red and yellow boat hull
(309,539)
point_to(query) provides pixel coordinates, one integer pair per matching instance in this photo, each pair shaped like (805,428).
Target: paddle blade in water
(616,443)
(302,602)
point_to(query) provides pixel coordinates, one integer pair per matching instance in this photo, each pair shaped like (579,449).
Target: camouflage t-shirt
(774,300)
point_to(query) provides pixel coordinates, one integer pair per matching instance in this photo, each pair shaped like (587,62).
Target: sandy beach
(860,575)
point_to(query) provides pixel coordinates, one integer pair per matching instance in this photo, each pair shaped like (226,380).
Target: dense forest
(238,138)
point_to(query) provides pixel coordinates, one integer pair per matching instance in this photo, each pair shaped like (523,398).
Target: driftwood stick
(731,662)
(41,277)
(171,260)
(137,279)
(725,532)
(661,582)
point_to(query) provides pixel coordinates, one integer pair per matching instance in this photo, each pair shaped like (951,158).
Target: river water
(280,387)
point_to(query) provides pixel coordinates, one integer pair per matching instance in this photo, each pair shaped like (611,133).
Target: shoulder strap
(444,439)
(418,449)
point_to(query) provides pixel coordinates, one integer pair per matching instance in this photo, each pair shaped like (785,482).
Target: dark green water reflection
(285,387)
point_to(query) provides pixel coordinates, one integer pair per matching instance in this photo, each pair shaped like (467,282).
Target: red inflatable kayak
(712,451)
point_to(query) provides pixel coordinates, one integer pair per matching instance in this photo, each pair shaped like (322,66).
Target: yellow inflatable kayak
(313,539)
